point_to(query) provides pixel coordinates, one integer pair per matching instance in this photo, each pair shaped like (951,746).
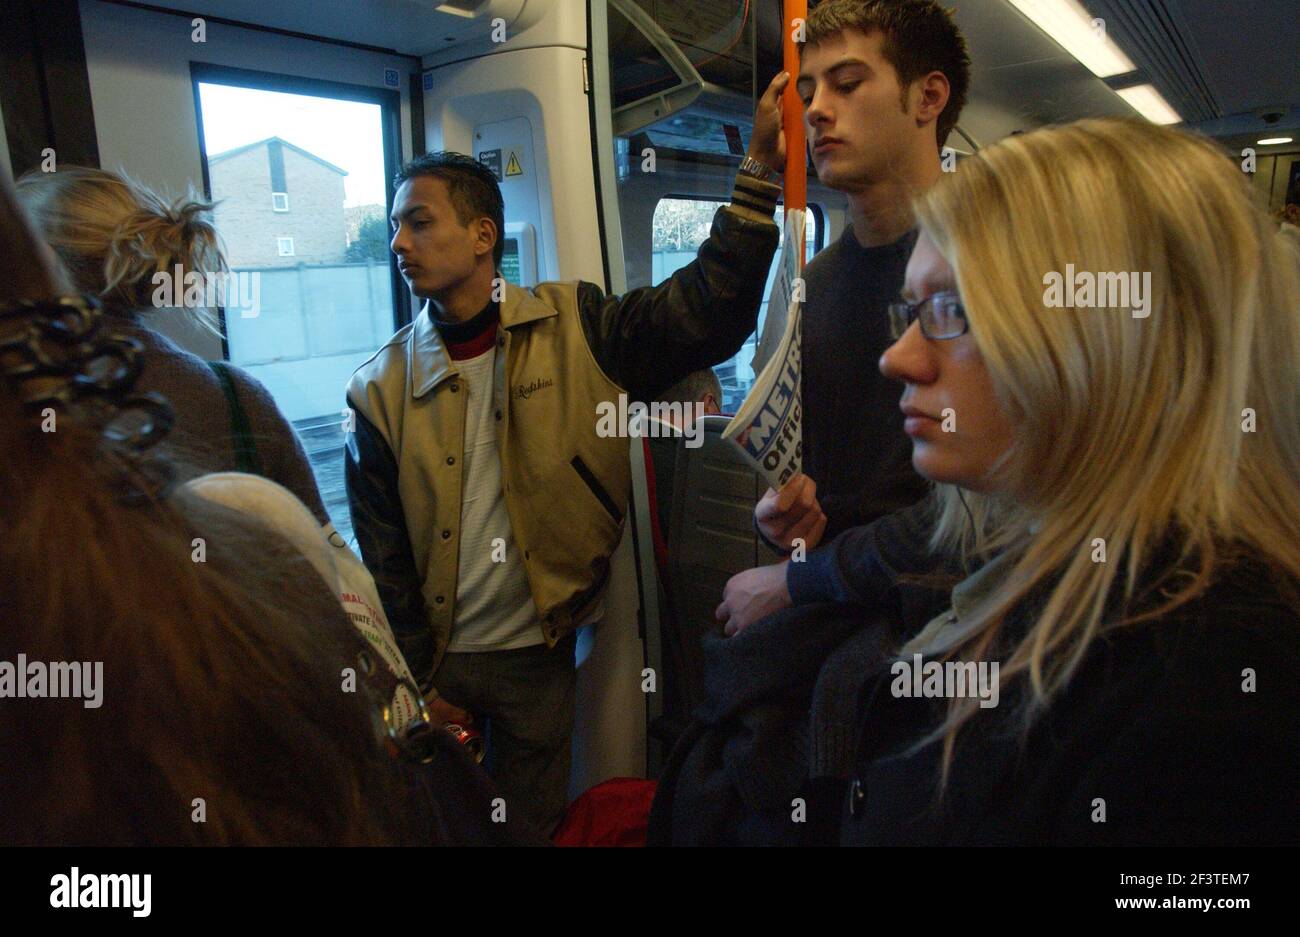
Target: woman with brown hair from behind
(116,238)
(219,711)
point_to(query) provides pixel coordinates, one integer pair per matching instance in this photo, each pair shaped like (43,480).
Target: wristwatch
(752,167)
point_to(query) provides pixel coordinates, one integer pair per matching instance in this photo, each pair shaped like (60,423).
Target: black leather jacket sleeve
(651,337)
(370,471)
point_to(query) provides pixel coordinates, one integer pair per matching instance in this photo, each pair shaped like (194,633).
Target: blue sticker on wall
(428,81)
(392,78)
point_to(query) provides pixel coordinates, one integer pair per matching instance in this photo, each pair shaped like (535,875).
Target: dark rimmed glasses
(941,315)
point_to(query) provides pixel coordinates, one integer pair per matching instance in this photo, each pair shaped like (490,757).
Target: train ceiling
(1222,65)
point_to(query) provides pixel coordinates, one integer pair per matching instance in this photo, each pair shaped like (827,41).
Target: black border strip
(594,137)
(45,84)
(418,144)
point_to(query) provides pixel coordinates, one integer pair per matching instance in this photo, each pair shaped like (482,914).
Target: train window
(650,75)
(680,226)
(321,273)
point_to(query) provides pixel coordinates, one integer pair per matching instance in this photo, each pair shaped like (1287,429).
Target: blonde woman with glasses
(1099,351)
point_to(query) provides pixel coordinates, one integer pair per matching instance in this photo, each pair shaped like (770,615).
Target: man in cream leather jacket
(485,502)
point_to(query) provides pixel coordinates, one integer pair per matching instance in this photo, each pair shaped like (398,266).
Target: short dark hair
(919,37)
(471,186)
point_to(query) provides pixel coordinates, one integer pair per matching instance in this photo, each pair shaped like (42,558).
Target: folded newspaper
(768,425)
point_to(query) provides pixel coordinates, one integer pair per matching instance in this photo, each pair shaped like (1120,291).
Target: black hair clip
(61,356)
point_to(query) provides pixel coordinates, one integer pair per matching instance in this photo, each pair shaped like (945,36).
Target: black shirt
(1163,736)
(854,446)
(462,333)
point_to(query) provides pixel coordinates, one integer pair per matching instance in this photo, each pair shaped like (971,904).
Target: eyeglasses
(942,316)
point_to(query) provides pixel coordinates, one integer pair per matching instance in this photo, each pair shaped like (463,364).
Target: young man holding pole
(880,84)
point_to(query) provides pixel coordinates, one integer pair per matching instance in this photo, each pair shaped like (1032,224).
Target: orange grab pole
(796,157)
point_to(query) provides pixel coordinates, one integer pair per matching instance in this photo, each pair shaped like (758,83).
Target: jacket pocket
(597,489)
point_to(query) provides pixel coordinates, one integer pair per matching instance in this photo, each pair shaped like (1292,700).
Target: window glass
(680,226)
(637,68)
(716,38)
(326,298)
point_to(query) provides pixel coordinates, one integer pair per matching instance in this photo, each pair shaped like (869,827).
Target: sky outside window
(345,133)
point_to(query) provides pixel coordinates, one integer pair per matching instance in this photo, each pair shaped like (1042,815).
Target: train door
(299,161)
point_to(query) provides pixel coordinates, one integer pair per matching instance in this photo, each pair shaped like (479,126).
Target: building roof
(297,149)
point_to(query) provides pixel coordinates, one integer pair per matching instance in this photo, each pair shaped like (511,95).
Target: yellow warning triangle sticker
(513,168)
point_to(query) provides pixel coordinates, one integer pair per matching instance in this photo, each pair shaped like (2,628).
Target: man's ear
(932,97)
(486,235)
(712,406)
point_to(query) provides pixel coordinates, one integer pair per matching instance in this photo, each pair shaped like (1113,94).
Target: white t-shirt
(494,604)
